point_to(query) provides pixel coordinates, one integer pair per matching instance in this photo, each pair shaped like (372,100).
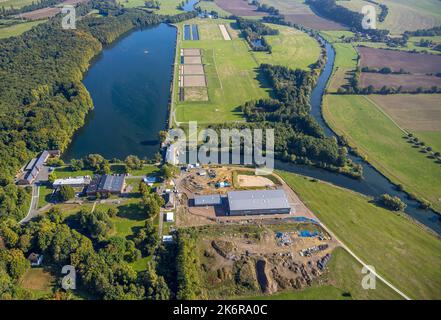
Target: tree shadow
(132,211)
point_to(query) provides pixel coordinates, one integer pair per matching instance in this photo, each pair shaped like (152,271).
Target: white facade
(73,182)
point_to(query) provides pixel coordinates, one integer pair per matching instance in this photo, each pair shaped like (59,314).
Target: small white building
(167,238)
(72,182)
(169,217)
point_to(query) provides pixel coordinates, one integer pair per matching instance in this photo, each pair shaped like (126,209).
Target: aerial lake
(130,86)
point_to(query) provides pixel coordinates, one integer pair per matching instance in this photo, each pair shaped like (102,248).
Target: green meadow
(377,137)
(401,251)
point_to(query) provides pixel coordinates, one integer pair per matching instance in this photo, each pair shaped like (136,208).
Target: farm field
(412,45)
(239,8)
(381,140)
(18,29)
(15,3)
(212,6)
(404,15)
(412,112)
(342,282)
(408,82)
(416,63)
(227,61)
(296,11)
(166,7)
(402,252)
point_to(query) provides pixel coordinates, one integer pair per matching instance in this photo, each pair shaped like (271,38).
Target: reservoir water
(130,86)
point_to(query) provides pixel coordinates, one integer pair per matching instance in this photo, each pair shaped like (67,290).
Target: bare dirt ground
(407,81)
(254,181)
(192,60)
(195,69)
(413,112)
(194,81)
(191,52)
(416,63)
(196,94)
(259,260)
(239,8)
(224,32)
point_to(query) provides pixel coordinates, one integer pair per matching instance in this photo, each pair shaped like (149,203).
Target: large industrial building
(249,202)
(34,167)
(107,184)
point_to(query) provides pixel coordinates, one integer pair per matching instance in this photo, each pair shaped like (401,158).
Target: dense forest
(42,98)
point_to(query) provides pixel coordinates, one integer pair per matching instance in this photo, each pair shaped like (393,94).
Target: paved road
(33,208)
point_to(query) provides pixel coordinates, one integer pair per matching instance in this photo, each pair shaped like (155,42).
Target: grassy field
(15,3)
(291,48)
(431,138)
(231,70)
(404,15)
(402,252)
(342,282)
(212,6)
(381,141)
(38,281)
(18,29)
(167,6)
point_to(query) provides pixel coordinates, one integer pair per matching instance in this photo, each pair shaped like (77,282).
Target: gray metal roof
(41,159)
(257,199)
(207,200)
(31,164)
(111,183)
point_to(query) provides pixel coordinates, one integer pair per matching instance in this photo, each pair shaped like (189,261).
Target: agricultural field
(296,11)
(239,8)
(404,15)
(420,67)
(227,61)
(413,113)
(407,82)
(18,29)
(401,251)
(381,140)
(212,6)
(166,7)
(415,63)
(15,3)
(412,45)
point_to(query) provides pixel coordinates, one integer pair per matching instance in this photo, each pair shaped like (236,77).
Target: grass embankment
(231,69)
(167,7)
(377,137)
(402,252)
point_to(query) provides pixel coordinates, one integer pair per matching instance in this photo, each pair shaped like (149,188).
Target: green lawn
(377,137)
(342,282)
(291,48)
(231,69)
(45,193)
(18,29)
(431,138)
(15,3)
(402,252)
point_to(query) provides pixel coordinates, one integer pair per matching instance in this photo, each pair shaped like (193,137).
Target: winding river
(130,86)
(373,183)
